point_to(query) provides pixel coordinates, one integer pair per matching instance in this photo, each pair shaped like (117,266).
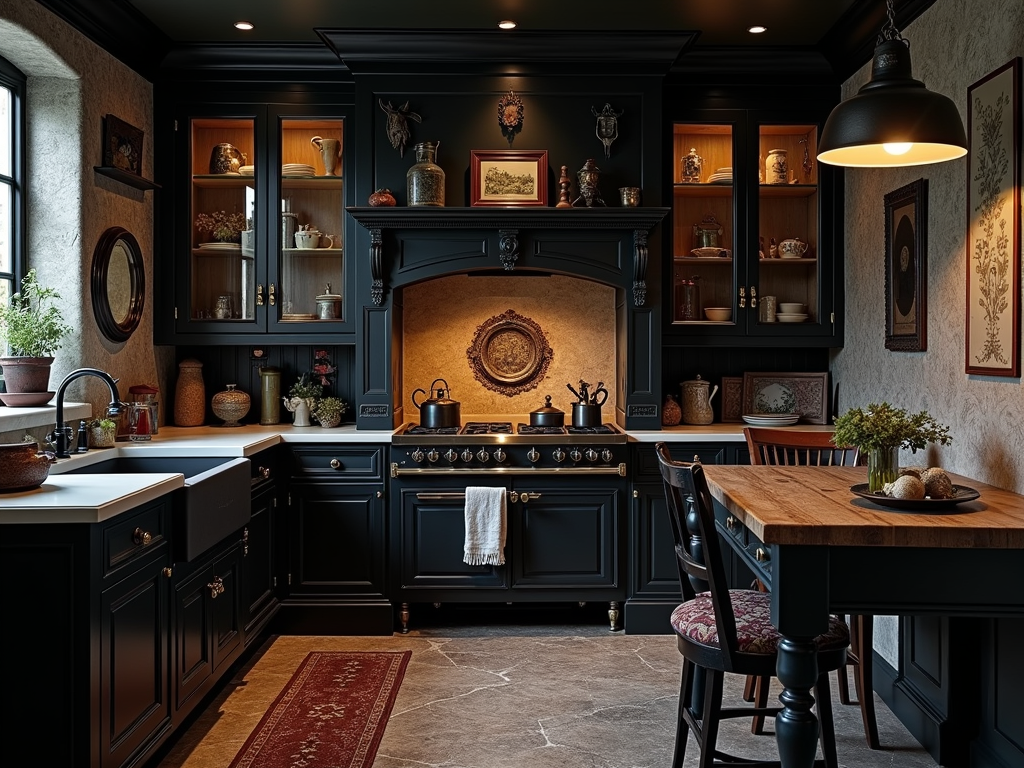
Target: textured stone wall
(72,85)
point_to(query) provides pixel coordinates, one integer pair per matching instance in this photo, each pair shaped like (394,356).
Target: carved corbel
(639,267)
(508,248)
(377,266)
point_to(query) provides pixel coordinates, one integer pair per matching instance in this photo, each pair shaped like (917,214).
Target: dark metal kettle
(438,412)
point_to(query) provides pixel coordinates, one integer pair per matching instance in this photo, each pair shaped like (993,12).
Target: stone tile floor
(508,696)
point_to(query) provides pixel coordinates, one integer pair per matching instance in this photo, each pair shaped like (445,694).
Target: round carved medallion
(510,354)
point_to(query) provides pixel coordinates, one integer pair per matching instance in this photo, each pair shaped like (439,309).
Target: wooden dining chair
(795,447)
(720,630)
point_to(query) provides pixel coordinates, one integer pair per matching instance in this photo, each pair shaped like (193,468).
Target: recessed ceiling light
(757,29)
(246,25)
(506,24)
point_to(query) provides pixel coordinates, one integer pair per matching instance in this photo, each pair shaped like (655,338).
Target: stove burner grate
(487,428)
(598,430)
(531,429)
(418,430)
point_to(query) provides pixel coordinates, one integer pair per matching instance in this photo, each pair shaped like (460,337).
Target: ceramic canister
(190,394)
(776,167)
(270,395)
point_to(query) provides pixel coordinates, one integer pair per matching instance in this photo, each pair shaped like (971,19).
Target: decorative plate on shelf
(708,253)
(961,493)
(789,318)
(771,419)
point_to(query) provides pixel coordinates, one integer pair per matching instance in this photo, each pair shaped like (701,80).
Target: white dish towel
(485,526)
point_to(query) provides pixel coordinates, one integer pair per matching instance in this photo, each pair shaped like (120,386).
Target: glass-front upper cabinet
(262,216)
(309,243)
(755,245)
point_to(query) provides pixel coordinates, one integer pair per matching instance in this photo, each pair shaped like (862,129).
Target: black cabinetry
(263,545)
(336,529)
(564,542)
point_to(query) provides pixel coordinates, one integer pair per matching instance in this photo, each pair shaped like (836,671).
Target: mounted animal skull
(397,127)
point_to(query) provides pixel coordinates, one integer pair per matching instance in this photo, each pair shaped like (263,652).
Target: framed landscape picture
(508,178)
(906,268)
(993,223)
(122,145)
(805,394)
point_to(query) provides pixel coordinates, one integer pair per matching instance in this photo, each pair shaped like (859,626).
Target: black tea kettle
(440,412)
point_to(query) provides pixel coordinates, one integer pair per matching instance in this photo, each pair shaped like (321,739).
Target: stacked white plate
(221,246)
(721,176)
(246,170)
(297,169)
(771,419)
(787,318)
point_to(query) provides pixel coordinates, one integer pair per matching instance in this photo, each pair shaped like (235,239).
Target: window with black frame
(12,192)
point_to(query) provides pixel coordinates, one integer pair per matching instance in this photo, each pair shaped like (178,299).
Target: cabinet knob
(636,494)
(753,296)
(259,294)
(760,555)
(168,572)
(270,295)
(335,464)
(743,297)
(730,522)
(216,587)
(264,472)
(141,537)
(380,494)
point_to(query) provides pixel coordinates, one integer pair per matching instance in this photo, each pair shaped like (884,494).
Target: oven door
(428,533)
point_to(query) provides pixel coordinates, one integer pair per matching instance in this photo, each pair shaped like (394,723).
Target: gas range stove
(501,446)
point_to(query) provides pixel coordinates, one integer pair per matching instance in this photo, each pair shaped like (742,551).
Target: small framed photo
(805,394)
(122,145)
(906,268)
(508,178)
(732,399)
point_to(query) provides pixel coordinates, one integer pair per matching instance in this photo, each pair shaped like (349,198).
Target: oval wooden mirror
(118,284)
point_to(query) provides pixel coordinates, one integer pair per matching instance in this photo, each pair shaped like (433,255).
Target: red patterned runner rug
(332,713)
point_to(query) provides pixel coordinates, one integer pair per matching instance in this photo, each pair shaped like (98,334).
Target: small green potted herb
(328,411)
(102,433)
(881,430)
(32,329)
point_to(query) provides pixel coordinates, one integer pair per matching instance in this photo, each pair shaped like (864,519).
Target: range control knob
(499,455)
(451,455)
(417,455)
(607,456)
(467,455)
(575,455)
(558,455)
(591,454)
(482,455)
(432,455)
(533,455)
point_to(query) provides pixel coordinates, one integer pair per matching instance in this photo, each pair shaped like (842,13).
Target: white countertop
(85,498)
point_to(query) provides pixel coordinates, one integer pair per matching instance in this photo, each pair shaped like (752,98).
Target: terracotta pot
(26,374)
(24,467)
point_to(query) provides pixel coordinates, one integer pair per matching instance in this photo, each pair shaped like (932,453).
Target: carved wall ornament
(510,354)
(607,129)
(510,116)
(398,127)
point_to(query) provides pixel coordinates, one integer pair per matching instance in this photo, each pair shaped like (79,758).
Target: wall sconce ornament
(398,126)
(510,116)
(607,128)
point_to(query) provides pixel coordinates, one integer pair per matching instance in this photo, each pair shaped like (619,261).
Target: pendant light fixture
(893,120)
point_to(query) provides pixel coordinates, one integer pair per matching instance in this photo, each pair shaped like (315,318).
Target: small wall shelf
(125,178)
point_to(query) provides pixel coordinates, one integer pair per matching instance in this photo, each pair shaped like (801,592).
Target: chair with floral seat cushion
(720,630)
(797,447)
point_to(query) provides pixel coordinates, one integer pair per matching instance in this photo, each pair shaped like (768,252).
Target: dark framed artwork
(906,268)
(802,393)
(993,223)
(508,178)
(122,145)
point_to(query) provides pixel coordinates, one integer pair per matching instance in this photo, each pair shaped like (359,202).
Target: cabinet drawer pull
(760,555)
(636,494)
(271,295)
(264,472)
(730,522)
(380,494)
(142,538)
(259,295)
(216,587)
(168,572)
(335,464)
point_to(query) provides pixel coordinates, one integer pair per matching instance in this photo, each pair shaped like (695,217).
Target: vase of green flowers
(328,411)
(880,430)
(302,399)
(32,329)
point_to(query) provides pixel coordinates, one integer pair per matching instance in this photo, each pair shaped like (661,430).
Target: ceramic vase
(270,395)
(231,405)
(671,413)
(190,394)
(883,467)
(300,406)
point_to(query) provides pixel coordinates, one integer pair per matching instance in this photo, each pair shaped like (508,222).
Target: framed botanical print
(993,223)
(906,268)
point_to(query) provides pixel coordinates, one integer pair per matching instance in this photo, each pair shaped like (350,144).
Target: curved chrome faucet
(59,437)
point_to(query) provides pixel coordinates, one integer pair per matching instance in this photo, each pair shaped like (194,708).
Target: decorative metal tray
(961,493)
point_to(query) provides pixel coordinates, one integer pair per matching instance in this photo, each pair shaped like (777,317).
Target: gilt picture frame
(122,145)
(906,268)
(508,178)
(992,338)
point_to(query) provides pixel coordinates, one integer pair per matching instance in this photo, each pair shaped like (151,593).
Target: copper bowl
(24,467)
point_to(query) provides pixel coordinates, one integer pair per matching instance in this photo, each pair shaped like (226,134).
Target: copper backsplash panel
(441,317)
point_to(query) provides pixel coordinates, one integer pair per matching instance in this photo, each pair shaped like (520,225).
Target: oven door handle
(398,470)
(513,496)
(524,497)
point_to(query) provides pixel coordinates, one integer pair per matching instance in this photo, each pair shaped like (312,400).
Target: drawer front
(355,464)
(731,527)
(135,536)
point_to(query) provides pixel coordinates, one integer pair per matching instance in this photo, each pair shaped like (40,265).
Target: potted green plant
(880,430)
(102,433)
(328,411)
(32,329)
(302,398)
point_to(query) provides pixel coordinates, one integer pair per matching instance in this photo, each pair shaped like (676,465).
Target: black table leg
(796,727)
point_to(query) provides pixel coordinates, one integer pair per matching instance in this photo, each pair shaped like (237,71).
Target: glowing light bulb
(507,24)
(244,25)
(898,148)
(757,29)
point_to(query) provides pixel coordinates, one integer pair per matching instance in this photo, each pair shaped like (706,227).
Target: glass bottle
(270,395)
(424,181)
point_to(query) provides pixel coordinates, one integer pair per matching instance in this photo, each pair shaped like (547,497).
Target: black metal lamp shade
(893,120)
